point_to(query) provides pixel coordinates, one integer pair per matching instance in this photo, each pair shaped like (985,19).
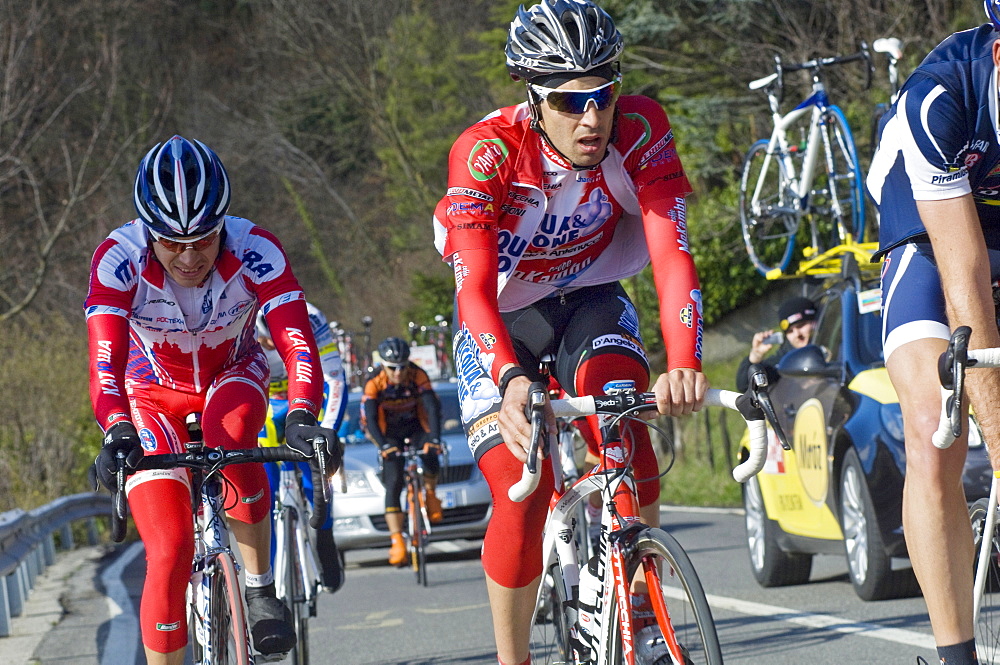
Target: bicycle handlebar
(212,459)
(814,65)
(951,372)
(754,406)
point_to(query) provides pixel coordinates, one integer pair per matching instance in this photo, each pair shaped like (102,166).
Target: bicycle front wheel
(550,634)
(228,639)
(837,199)
(768,212)
(418,531)
(295,594)
(684,617)
(988,619)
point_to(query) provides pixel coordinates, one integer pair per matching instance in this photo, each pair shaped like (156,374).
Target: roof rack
(831,262)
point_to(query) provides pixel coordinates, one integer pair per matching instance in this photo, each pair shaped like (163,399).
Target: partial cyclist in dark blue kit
(936,180)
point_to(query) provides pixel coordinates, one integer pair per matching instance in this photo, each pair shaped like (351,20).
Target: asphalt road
(381,616)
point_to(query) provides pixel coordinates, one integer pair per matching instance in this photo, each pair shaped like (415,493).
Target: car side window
(830,329)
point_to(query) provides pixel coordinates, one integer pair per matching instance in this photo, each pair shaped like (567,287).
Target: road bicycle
(217,625)
(296,570)
(438,336)
(808,168)
(418,523)
(584,610)
(982,513)
(357,358)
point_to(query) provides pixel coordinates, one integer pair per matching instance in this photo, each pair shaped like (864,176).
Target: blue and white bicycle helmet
(561,36)
(992,8)
(181,189)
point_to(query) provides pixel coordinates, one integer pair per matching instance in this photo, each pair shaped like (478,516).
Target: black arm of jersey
(371,420)
(432,407)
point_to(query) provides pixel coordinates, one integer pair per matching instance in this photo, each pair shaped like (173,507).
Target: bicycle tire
(987,628)
(770,224)
(295,595)
(690,617)
(550,634)
(418,531)
(228,636)
(837,200)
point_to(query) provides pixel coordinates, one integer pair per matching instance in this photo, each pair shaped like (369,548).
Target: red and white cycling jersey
(518,224)
(162,345)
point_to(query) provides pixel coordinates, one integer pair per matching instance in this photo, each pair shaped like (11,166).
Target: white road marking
(124,631)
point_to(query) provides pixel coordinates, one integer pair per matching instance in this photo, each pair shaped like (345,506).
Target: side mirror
(810,360)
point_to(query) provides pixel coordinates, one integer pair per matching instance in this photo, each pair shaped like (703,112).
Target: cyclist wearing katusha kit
(170,318)
(331,413)
(549,204)
(936,179)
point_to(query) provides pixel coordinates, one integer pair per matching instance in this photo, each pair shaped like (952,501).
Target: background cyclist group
(550,204)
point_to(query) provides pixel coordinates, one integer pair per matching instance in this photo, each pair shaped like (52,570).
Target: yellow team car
(839,490)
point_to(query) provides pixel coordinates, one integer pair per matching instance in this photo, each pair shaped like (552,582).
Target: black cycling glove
(120,437)
(301,429)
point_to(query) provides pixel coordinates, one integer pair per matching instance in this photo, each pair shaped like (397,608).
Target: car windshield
(350,428)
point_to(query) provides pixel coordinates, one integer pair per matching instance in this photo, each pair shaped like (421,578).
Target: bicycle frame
(613,478)
(211,542)
(800,184)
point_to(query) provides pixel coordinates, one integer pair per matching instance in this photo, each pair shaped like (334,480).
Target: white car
(359,515)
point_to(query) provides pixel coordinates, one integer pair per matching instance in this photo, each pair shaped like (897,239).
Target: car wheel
(770,565)
(869,566)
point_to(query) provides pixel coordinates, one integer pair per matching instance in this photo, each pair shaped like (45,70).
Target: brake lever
(762,400)
(951,372)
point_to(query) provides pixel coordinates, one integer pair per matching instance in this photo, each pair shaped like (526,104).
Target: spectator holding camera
(797,321)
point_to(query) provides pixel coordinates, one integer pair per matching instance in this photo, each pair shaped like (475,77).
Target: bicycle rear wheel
(295,595)
(837,198)
(988,621)
(768,212)
(228,639)
(685,616)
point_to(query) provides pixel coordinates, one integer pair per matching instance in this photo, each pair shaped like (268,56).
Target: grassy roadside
(701,473)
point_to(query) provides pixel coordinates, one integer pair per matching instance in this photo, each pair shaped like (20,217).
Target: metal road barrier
(27,545)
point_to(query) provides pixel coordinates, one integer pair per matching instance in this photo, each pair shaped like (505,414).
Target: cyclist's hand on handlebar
(680,392)
(388,451)
(121,437)
(301,429)
(432,445)
(514,426)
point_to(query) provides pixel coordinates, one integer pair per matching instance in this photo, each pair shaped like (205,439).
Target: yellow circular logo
(811,450)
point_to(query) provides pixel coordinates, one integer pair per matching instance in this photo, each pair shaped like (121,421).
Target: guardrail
(27,545)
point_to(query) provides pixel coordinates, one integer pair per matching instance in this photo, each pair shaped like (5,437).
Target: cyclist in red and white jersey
(549,204)
(170,317)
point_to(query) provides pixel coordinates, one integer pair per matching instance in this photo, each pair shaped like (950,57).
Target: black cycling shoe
(270,621)
(332,570)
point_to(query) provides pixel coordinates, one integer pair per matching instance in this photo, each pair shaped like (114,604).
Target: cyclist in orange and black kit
(400,405)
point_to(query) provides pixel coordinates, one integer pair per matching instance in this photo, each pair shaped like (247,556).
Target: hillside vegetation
(334,119)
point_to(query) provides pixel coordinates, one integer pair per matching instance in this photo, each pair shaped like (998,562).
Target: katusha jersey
(518,224)
(184,348)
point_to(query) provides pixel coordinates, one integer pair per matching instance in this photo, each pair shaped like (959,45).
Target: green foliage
(315,241)
(433,295)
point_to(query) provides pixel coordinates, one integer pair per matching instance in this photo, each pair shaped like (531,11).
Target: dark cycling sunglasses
(576,101)
(394,368)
